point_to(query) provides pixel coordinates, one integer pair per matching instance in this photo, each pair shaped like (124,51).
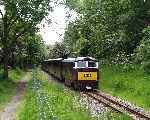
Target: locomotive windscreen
(81,64)
(91,64)
(86,64)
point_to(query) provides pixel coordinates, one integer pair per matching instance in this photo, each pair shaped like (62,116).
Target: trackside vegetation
(49,100)
(132,85)
(8,87)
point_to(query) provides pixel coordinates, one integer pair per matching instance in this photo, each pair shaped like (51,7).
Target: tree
(143,51)
(36,50)
(29,49)
(109,27)
(59,50)
(20,17)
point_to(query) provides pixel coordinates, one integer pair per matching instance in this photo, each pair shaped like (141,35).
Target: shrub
(143,51)
(123,62)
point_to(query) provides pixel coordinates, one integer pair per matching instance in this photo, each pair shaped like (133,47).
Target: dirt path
(9,112)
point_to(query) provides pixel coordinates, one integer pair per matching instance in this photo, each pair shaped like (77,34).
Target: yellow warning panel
(87,75)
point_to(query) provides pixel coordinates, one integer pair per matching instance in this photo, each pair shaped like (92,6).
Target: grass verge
(8,87)
(130,85)
(48,100)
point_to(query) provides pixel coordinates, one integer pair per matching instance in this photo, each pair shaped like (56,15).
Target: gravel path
(9,112)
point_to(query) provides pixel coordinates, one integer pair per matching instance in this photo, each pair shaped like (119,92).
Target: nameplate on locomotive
(87,75)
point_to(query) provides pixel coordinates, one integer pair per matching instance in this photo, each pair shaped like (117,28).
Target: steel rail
(116,104)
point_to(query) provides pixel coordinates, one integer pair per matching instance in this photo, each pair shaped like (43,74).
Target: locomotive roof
(69,60)
(58,59)
(72,59)
(85,58)
(79,59)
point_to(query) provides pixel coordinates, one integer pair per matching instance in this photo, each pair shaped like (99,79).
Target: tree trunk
(6,70)
(5,62)
(5,44)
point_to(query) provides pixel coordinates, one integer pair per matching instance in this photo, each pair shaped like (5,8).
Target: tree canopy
(21,17)
(106,28)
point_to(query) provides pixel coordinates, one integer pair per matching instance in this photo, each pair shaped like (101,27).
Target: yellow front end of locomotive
(87,75)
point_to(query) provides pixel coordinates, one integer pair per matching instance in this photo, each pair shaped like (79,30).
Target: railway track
(119,105)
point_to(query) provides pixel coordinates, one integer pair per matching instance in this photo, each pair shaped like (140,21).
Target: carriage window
(91,64)
(81,64)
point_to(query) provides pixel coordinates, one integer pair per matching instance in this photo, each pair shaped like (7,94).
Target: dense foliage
(19,19)
(107,28)
(143,50)
(59,50)
(36,49)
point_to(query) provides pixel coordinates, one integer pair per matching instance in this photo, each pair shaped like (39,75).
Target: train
(80,73)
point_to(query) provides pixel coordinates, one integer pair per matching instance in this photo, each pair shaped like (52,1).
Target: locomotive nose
(87,75)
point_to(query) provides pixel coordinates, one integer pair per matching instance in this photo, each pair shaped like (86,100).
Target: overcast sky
(55,31)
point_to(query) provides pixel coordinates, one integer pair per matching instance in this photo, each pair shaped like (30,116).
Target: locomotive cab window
(81,64)
(91,64)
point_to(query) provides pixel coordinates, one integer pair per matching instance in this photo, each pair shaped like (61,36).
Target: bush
(123,62)
(146,67)
(143,51)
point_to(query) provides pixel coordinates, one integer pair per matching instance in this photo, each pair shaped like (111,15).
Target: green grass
(58,103)
(132,85)
(8,87)
(61,103)
(16,74)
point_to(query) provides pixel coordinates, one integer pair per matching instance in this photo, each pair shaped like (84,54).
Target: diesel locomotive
(80,73)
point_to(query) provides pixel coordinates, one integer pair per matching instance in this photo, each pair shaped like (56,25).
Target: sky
(55,31)
(2,8)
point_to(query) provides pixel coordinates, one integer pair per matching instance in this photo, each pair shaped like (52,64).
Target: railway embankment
(119,105)
(101,110)
(132,85)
